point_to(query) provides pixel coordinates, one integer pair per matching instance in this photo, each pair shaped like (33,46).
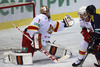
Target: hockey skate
(77,63)
(96,65)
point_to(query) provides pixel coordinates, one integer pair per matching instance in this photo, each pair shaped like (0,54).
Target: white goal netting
(20,14)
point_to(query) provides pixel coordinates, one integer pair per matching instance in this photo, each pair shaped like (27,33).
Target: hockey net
(20,14)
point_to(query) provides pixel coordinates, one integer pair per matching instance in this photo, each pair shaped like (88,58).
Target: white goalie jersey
(41,24)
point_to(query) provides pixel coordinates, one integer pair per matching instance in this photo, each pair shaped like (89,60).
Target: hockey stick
(42,50)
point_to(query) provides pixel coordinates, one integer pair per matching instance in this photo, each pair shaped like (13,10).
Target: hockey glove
(90,50)
(96,49)
(68,21)
(86,36)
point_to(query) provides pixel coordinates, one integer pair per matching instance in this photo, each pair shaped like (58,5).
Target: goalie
(40,30)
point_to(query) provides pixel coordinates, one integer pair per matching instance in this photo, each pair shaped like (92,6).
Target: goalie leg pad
(27,44)
(56,50)
(17,58)
(37,41)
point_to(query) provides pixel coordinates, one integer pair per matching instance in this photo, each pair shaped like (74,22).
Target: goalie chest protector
(96,25)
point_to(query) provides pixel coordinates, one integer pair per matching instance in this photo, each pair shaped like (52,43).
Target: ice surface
(69,37)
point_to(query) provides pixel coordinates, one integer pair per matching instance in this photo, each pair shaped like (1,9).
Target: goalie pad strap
(53,50)
(19,60)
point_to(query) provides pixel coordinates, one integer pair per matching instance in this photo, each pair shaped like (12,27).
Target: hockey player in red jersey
(87,30)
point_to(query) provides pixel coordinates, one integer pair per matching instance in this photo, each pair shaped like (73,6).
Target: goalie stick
(43,50)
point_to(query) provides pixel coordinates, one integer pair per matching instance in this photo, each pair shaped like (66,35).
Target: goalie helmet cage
(11,38)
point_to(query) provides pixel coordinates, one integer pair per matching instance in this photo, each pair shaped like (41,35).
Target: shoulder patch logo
(37,24)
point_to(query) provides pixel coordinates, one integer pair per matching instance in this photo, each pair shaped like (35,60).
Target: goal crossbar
(20,4)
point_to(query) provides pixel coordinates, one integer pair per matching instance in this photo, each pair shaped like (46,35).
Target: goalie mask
(45,10)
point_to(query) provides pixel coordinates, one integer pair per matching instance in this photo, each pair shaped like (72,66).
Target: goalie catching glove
(68,21)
